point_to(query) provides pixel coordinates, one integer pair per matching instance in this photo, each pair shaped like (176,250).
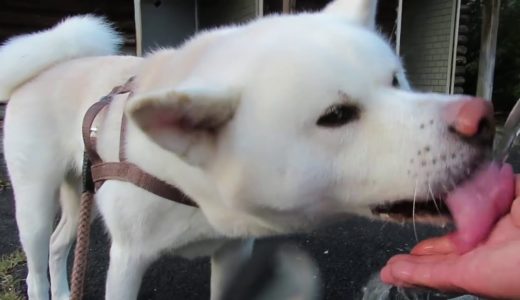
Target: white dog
(272,127)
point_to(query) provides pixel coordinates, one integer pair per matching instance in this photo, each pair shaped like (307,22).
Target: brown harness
(96,172)
(123,170)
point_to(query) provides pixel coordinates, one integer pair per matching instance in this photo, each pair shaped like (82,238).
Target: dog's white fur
(359,11)
(230,118)
(79,36)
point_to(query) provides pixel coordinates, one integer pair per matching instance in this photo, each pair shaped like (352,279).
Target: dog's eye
(338,115)
(395,81)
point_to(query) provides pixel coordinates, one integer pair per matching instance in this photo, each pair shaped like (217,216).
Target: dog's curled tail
(25,56)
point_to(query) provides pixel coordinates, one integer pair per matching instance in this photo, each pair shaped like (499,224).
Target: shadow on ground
(347,255)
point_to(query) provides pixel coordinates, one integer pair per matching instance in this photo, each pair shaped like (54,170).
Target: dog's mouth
(433,209)
(408,209)
(475,205)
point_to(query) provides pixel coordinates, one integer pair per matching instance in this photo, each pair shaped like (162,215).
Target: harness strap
(90,115)
(124,170)
(122,138)
(128,172)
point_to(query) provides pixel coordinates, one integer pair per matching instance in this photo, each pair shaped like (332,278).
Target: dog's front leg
(225,262)
(125,272)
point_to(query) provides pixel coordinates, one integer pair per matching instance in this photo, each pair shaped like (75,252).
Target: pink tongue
(478,204)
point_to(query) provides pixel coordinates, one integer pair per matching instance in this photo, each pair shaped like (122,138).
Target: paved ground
(347,255)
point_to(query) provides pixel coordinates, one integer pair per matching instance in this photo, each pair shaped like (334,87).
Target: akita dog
(271,127)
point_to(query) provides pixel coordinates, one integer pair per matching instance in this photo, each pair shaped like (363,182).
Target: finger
(515,211)
(386,277)
(507,229)
(436,275)
(436,245)
(515,207)
(396,258)
(415,258)
(422,259)
(518,185)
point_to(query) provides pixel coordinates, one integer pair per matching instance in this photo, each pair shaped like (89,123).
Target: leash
(96,172)
(79,267)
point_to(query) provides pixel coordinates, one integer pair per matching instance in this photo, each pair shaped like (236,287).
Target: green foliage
(9,284)
(4,185)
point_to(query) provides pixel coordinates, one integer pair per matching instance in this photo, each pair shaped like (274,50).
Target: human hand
(491,269)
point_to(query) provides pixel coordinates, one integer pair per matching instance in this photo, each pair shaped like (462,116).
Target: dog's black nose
(471,119)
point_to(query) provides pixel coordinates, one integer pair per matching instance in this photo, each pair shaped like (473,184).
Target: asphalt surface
(347,254)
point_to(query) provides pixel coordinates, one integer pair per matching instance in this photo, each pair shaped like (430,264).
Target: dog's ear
(182,117)
(359,11)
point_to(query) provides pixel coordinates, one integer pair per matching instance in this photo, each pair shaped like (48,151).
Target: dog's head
(290,120)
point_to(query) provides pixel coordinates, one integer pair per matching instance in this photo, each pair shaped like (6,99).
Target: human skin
(492,269)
